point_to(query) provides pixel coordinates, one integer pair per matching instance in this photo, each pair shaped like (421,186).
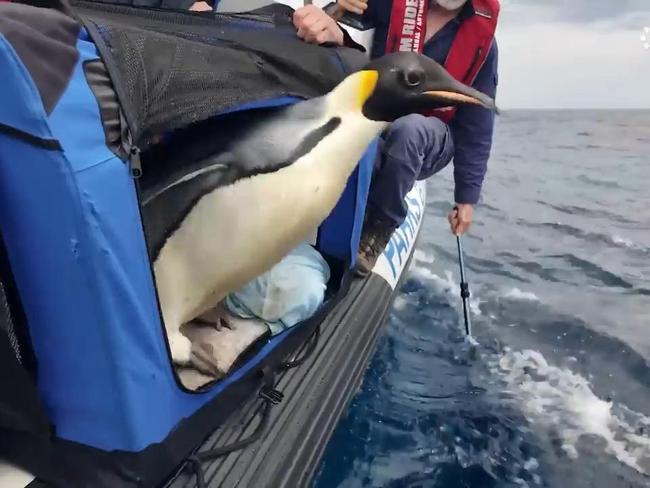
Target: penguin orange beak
(449,96)
(454,93)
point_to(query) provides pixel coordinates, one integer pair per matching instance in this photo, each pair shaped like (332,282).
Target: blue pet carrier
(70,215)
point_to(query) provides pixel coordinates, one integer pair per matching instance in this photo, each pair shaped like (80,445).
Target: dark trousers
(413,148)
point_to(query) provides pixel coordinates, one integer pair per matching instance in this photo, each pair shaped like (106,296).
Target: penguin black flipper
(189,149)
(238,146)
(164,211)
(165,205)
(255,141)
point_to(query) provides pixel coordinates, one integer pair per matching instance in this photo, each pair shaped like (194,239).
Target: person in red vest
(458,34)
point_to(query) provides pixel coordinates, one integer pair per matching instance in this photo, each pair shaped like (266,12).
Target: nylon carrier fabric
(89,301)
(171,69)
(24,428)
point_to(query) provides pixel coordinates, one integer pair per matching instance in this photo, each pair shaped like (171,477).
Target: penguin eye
(413,78)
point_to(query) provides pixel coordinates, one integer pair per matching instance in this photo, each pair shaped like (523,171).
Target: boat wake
(517,294)
(558,402)
(563,404)
(517,408)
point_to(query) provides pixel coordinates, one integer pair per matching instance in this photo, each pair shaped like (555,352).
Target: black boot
(377,231)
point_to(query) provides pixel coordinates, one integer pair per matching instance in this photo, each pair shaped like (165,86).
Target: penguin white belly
(237,232)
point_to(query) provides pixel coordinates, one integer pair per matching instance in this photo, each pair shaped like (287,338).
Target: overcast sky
(573,53)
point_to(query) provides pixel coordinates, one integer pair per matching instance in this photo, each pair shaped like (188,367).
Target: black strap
(311,347)
(270,397)
(314,338)
(48,144)
(24,428)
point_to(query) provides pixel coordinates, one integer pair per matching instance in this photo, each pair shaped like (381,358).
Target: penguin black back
(220,152)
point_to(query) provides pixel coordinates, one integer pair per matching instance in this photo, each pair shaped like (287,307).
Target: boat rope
(311,347)
(270,396)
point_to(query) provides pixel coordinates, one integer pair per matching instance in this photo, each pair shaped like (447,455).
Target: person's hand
(316,27)
(460,218)
(200,7)
(354,6)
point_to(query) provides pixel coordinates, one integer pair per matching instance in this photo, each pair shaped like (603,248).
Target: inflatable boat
(89,394)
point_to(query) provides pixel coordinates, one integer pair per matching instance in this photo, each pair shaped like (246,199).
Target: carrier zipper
(134,152)
(136,162)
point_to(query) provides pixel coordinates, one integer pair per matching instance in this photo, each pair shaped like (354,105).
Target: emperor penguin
(231,217)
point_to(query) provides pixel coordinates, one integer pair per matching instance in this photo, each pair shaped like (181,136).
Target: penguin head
(402,83)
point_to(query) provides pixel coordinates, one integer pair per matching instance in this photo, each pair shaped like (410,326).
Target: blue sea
(557,391)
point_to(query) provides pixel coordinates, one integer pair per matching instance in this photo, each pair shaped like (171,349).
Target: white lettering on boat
(392,262)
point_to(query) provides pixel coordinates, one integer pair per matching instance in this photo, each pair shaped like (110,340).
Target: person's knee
(408,128)
(415,134)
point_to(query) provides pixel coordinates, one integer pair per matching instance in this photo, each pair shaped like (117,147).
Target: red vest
(469,49)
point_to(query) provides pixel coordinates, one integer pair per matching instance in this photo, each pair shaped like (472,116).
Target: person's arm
(315,26)
(472,129)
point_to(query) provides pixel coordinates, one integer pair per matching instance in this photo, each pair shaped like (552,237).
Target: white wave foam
(517,294)
(475,306)
(400,303)
(622,241)
(629,244)
(446,285)
(423,257)
(422,273)
(449,287)
(563,401)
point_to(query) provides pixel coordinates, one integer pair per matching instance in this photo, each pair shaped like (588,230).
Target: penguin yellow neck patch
(367,83)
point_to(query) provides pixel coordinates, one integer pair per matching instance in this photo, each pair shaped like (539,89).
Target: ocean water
(557,391)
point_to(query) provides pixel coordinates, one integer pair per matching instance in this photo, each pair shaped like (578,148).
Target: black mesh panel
(12,318)
(7,324)
(172,69)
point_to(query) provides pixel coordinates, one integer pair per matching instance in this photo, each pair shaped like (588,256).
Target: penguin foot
(181,348)
(203,359)
(216,317)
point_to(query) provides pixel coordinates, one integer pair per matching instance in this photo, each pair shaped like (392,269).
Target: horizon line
(548,109)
